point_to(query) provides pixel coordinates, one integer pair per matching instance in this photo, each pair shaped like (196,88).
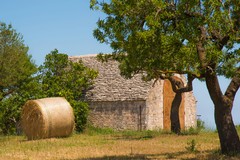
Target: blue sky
(46,25)
(67,26)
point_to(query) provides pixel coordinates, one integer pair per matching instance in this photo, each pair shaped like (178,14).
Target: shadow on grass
(126,157)
(138,156)
(206,155)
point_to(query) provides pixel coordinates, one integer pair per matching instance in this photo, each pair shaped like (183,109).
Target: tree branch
(233,86)
(222,40)
(213,85)
(194,14)
(8,92)
(157,13)
(178,85)
(200,47)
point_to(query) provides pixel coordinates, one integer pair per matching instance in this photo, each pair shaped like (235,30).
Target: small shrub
(9,116)
(200,125)
(190,131)
(80,110)
(195,131)
(191,146)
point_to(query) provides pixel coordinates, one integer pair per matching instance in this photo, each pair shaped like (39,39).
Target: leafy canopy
(61,77)
(16,81)
(16,65)
(171,36)
(56,77)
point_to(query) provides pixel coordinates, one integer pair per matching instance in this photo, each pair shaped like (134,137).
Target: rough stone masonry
(132,104)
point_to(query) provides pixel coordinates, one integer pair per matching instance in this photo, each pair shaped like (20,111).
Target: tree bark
(227,133)
(228,136)
(179,88)
(174,116)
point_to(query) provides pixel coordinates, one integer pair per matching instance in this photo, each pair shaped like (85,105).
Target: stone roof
(110,85)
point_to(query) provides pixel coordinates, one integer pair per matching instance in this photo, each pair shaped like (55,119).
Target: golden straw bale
(47,117)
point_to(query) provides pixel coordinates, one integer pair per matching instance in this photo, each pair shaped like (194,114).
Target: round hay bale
(47,117)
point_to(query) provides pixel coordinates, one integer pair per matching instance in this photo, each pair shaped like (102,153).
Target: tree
(15,64)
(16,70)
(60,77)
(197,38)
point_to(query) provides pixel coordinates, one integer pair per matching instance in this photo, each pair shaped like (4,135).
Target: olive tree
(162,37)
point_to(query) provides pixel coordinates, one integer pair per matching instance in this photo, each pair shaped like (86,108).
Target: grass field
(107,144)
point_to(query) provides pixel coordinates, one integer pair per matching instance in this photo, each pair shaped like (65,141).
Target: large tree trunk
(174,117)
(179,88)
(227,133)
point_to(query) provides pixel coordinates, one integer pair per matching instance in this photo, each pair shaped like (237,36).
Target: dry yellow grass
(112,146)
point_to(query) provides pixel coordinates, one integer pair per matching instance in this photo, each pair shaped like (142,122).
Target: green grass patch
(90,130)
(142,135)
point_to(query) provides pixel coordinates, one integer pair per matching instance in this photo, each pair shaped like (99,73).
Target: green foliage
(200,125)
(91,130)
(198,38)
(16,81)
(142,135)
(60,77)
(9,116)
(11,107)
(191,131)
(15,64)
(191,146)
(195,131)
(56,77)
(80,112)
(161,37)
(125,134)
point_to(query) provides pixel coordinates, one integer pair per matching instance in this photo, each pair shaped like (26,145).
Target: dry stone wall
(118,115)
(154,108)
(119,103)
(190,110)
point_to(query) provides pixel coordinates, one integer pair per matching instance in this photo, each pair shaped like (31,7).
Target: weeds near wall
(91,130)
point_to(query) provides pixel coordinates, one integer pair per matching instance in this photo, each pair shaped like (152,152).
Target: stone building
(133,104)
